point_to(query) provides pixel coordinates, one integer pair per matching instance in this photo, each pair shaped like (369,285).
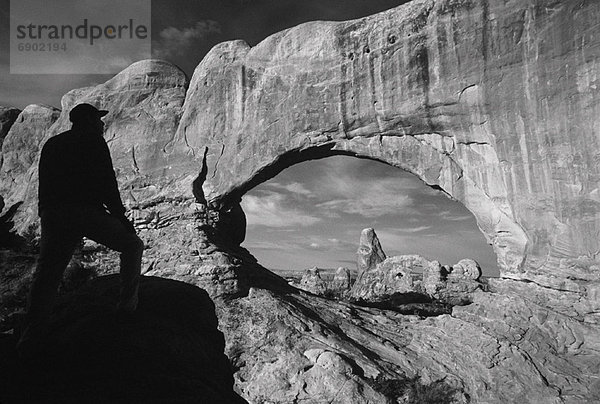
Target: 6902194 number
(41,47)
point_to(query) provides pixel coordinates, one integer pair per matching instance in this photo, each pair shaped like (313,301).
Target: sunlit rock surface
(410,274)
(312,282)
(20,149)
(491,101)
(494,102)
(8,115)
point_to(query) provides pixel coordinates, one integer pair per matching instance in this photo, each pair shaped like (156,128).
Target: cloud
(269,211)
(376,201)
(454,217)
(294,187)
(330,244)
(414,229)
(177,41)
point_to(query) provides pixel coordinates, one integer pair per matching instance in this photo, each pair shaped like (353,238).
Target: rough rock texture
(496,103)
(171,351)
(434,277)
(369,252)
(20,149)
(493,102)
(8,115)
(413,275)
(465,269)
(145,102)
(342,280)
(311,282)
(393,275)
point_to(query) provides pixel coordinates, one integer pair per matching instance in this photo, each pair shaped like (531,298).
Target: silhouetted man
(78,196)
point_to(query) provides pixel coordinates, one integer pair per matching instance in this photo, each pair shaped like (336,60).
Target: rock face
(8,115)
(369,251)
(342,280)
(311,282)
(145,102)
(171,351)
(393,275)
(412,274)
(465,269)
(20,149)
(461,93)
(496,103)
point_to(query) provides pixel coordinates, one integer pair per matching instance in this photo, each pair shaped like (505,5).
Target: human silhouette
(78,196)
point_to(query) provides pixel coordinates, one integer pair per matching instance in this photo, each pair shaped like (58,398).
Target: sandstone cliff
(496,103)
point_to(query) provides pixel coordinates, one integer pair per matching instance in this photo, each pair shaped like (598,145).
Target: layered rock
(463,94)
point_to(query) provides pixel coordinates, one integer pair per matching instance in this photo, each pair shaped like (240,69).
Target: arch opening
(311,213)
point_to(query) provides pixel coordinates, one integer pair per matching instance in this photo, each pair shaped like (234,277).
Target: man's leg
(108,230)
(57,243)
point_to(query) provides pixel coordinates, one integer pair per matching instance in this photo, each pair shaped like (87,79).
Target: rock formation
(456,92)
(342,280)
(496,103)
(20,149)
(8,115)
(369,251)
(393,275)
(311,282)
(412,275)
(171,351)
(465,269)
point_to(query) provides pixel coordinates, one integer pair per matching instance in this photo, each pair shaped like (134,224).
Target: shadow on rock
(169,351)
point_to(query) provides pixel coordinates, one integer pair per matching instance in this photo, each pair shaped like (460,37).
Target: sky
(312,213)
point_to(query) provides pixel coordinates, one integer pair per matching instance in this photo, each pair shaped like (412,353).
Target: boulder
(465,269)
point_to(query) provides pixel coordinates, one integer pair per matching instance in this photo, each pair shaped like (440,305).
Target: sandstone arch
(470,104)
(507,238)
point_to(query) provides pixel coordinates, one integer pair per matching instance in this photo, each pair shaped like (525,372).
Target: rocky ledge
(169,351)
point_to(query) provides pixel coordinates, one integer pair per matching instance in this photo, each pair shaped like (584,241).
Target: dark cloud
(174,42)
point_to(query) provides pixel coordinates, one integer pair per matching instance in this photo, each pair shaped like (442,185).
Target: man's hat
(82,112)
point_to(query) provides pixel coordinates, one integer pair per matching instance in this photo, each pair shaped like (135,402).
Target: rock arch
(464,103)
(508,239)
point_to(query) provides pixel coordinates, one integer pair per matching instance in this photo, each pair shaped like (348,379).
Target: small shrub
(412,391)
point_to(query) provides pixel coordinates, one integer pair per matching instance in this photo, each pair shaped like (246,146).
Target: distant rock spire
(369,251)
